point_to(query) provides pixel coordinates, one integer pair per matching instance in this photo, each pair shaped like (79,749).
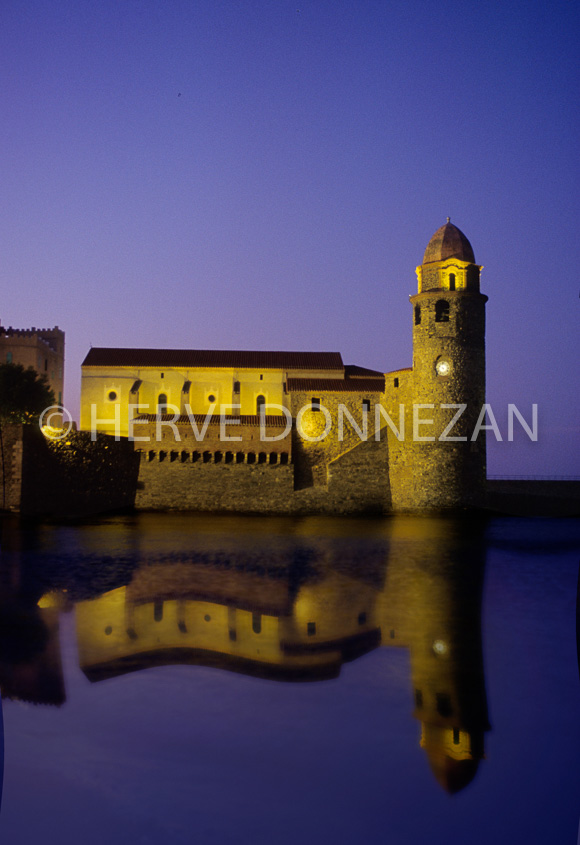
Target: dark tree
(24,394)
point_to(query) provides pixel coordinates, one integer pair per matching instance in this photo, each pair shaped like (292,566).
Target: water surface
(184,678)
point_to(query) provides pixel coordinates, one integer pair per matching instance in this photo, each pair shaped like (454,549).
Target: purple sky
(206,174)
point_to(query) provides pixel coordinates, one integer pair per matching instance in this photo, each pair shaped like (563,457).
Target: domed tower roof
(452,775)
(448,242)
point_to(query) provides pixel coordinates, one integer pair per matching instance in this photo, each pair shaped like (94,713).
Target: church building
(302,432)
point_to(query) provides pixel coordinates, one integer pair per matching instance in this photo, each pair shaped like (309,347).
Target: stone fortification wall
(534,497)
(10,466)
(71,477)
(312,459)
(357,483)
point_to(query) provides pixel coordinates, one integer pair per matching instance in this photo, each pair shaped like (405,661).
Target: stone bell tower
(448,370)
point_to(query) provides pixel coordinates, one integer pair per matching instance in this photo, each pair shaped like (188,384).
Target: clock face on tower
(443,367)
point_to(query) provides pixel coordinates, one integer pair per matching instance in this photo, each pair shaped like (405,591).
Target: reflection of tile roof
(251,360)
(336,385)
(215,419)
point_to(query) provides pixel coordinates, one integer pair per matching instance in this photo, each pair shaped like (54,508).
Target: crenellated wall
(357,482)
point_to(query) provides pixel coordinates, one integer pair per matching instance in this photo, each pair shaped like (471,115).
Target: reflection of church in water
(296,613)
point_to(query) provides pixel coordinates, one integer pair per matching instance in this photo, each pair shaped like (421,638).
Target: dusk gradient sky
(267,174)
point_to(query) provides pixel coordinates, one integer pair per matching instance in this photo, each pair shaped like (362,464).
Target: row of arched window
(162,401)
(217,457)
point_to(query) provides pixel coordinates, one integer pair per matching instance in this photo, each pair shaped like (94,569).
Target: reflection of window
(455,736)
(211,398)
(315,404)
(162,403)
(256,623)
(366,404)
(441,311)
(236,387)
(260,402)
(9,357)
(311,628)
(112,396)
(443,703)
(418,698)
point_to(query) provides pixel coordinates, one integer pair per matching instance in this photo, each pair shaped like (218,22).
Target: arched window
(451,281)
(260,402)
(417,315)
(162,403)
(442,311)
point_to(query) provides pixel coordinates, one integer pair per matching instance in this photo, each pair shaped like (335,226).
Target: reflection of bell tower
(447,677)
(433,607)
(448,369)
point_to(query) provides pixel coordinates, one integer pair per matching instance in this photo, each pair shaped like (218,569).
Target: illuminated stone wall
(357,482)
(313,458)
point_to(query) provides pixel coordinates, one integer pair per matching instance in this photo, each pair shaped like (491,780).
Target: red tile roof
(212,358)
(335,385)
(353,371)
